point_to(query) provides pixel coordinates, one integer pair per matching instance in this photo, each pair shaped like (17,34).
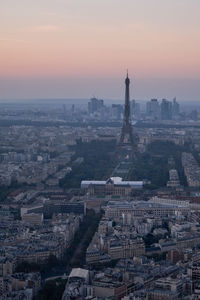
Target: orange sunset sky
(80,48)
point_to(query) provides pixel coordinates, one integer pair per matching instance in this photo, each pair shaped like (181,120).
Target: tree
(53,289)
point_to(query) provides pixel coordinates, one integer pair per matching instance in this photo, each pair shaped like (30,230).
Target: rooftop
(78,272)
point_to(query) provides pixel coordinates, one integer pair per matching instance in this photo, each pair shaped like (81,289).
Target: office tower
(166,110)
(73,108)
(95,105)
(175,108)
(135,109)
(116,111)
(153,109)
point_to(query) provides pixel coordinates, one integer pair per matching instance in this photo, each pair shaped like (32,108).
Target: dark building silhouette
(166,110)
(194,115)
(95,105)
(153,109)
(73,108)
(175,108)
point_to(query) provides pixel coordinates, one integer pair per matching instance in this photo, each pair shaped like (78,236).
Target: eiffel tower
(127,140)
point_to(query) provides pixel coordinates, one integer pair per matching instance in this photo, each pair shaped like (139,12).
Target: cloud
(46,28)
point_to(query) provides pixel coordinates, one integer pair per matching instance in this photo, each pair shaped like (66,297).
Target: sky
(82,48)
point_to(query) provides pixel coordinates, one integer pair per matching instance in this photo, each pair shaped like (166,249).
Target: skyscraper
(166,110)
(175,108)
(117,110)
(153,109)
(95,105)
(135,109)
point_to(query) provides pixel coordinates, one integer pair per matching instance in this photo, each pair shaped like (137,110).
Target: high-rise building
(73,108)
(95,105)
(153,109)
(116,111)
(194,115)
(166,110)
(135,109)
(175,108)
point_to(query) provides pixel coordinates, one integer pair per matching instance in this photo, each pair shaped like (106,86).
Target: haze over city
(77,49)
(99,149)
